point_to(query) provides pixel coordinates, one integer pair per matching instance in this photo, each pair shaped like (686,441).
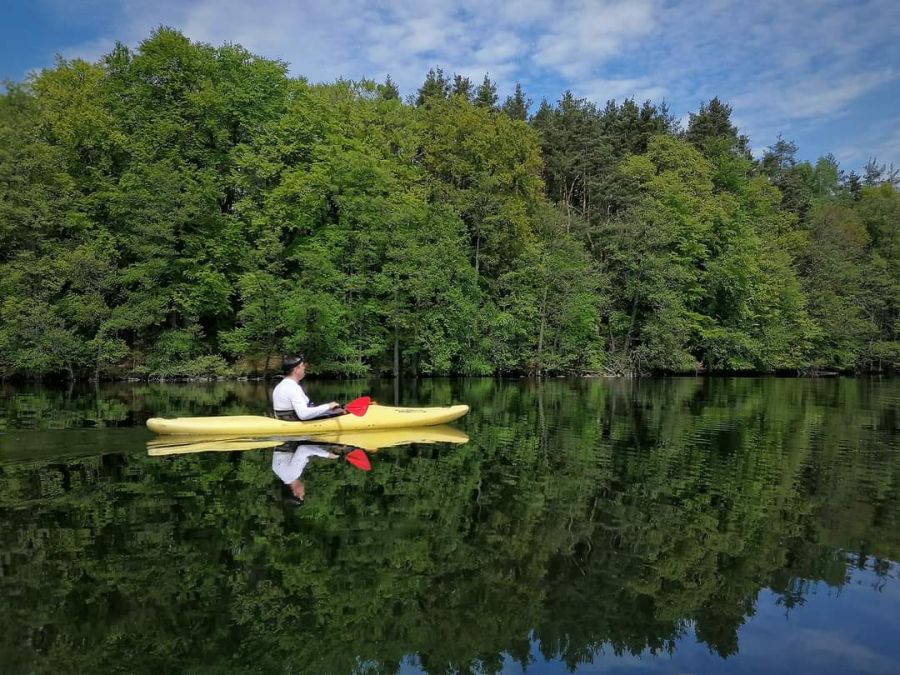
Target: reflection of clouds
(828,650)
(850,629)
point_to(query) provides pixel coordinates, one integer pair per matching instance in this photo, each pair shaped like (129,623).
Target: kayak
(375,417)
(367,440)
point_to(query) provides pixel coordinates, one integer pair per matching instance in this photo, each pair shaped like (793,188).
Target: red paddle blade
(358,406)
(359,459)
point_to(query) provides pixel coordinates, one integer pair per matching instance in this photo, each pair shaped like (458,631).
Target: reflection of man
(289,461)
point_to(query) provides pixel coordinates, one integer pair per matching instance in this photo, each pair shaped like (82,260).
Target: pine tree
(389,90)
(436,86)
(462,86)
(516,106)
(713,123)
(853,184)
(486,96)
(876,174)
(792,178)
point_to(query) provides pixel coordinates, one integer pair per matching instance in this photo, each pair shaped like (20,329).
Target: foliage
(183,210)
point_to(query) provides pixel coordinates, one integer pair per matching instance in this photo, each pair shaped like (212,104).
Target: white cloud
(500,47)
(781,65)
(824,96)
(528,11)
(820,97)
(640,89)
(586,34)
(881,142)
(92,50)
(323,39)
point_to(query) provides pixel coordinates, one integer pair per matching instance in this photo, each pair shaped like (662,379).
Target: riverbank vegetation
(188,210)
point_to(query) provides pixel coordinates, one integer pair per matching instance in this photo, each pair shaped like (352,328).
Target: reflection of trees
(588,516)
(127,404)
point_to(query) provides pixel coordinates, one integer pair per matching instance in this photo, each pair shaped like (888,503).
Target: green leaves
(183,201)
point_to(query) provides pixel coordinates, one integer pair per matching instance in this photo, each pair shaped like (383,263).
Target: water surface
(664,526)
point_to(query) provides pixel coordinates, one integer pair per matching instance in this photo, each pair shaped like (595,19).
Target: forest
(188,210)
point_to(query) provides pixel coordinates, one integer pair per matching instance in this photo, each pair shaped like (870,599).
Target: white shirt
(289,465)
(289,395)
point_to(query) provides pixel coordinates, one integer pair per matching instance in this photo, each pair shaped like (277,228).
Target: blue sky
(823,73)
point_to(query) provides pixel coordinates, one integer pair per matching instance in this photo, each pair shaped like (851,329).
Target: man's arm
(300,404)
(304,411)
(307,412)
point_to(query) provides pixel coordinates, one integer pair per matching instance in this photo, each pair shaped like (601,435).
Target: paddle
(359,459)
(358,406)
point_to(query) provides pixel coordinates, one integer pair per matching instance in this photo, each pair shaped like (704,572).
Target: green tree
(435,87)
(462,86)
(879,209)
(390,90)
(710,130)
(835,279)
(516,106)
(554,299)
(793,179)
(486,94)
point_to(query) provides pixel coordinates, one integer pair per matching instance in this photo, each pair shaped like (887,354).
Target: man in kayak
(290,401)
(290,459)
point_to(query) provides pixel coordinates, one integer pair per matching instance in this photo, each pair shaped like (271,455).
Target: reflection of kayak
(376,417)
(368,440)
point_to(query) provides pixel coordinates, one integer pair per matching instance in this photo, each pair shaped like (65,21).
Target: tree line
(182,209)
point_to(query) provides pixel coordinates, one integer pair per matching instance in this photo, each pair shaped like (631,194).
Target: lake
(682,525)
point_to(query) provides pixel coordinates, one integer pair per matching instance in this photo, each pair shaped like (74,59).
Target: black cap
(291,362)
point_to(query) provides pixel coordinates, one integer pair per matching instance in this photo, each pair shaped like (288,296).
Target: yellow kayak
(376,417)
(368,440)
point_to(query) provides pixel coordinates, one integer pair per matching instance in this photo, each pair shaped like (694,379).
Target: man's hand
(333,405)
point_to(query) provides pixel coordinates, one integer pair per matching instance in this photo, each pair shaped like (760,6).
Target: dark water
(666,526)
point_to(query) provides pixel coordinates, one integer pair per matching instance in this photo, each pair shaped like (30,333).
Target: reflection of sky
(851,629)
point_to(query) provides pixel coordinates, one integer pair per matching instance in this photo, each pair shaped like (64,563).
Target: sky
(822,73)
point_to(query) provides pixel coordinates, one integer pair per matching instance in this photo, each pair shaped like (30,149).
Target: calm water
(664,526)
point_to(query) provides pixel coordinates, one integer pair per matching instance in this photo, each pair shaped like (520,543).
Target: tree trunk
(541,333)
(634,307)
(396,331)
(584,196)
(477,252)
(396,352)
(268,360)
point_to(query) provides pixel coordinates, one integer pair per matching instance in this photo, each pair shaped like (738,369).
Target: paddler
(289,400)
